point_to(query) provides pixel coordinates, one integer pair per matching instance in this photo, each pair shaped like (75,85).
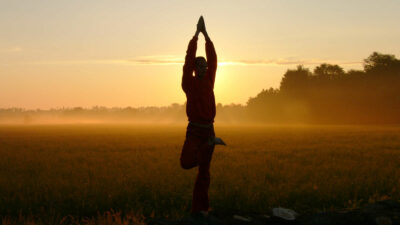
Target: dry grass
(116,174)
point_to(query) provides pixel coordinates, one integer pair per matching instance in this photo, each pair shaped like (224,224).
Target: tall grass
(98,173)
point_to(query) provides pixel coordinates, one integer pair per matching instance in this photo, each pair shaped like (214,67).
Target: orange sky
(130,53)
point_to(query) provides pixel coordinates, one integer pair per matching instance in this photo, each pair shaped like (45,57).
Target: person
(200,139)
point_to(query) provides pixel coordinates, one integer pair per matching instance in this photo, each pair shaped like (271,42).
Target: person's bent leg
(189,154)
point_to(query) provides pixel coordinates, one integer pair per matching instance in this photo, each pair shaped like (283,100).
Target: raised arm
(210,53)
(189,65)
(211,58)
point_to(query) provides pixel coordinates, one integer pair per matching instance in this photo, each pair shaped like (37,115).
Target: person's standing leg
(200,193)
(200,200)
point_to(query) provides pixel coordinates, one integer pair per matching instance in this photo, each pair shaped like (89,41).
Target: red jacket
(200,107)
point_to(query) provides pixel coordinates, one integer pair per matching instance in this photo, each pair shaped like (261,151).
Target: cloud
(160,60)
(170,60)
(157,60)
(289,61)
(75,62)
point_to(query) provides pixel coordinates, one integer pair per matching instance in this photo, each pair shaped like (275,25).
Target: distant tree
(295,81)
(263,97)
(328,71)
(175,106)
(353,79)
(77,109)
(378,63)
(266,106)
(355,73)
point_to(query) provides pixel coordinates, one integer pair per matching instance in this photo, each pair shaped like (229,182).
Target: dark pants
(197,151)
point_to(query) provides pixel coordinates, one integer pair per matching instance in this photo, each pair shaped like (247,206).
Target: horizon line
(162,60)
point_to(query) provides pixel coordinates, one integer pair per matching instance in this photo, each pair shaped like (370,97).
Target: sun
(223,83)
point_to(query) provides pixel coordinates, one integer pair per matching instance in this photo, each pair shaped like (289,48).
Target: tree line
(328,94)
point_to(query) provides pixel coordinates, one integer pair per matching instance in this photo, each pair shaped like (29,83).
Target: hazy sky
(130,53)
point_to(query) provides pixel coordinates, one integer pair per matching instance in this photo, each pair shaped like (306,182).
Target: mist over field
(326,95)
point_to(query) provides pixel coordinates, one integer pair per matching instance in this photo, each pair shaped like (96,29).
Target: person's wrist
(206,35)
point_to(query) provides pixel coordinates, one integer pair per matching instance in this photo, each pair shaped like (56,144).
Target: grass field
(58,174)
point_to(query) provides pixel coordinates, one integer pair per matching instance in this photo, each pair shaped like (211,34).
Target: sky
(123,53)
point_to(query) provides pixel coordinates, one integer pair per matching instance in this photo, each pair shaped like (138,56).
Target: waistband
(202,125)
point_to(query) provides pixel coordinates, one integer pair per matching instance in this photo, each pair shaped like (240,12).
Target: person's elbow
(183,87)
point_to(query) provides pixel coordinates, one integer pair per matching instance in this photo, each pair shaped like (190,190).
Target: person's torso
(201,101)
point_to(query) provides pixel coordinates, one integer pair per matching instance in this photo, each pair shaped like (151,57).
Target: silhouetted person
(200,109)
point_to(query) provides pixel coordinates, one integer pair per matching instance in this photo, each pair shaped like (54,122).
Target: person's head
(200,67)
